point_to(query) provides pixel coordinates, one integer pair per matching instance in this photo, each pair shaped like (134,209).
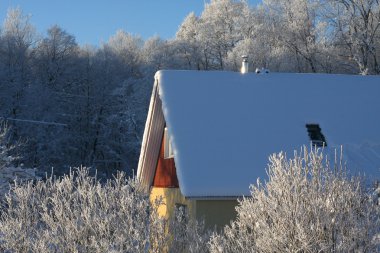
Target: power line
(35,121)
(73,95)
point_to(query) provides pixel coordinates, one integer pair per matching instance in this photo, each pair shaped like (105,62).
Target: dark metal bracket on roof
(315,134)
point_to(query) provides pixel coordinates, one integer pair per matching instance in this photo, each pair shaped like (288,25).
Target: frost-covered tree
(127,48)
(356,24)
(157,54)
(305,206)
(186,234)
(56,56)
(76,213)
(117,107)
(17,38)
(7,149)
(204,41)
(187,43)
(18,35)
(220,28)
(297,26)
(55,74)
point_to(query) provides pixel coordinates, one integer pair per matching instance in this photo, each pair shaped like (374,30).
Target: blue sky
(94,21)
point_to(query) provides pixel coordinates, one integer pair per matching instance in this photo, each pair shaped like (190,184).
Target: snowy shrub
(6,148)
(306,206)
(76,213)
(187,235)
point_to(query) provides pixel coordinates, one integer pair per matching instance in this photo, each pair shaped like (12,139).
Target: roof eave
(217,197)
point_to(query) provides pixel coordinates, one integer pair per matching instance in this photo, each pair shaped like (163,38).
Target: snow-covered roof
(224,125)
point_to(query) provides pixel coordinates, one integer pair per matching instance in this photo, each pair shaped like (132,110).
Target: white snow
(224,125)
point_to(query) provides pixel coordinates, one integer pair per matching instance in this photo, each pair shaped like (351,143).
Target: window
(168,150)
(315,135)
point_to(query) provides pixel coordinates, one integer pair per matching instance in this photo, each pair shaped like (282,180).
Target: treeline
(72,105)
(75,105)
(331,36)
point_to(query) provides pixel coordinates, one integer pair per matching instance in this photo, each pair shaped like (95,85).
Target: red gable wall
(165,175)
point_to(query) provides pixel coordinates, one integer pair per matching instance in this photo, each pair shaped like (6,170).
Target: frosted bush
(187,235)
(7,150)
(305,206)
(76,213)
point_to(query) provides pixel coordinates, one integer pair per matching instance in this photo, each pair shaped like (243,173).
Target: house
(208,135)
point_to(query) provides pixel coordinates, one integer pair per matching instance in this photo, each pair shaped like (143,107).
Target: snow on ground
(224,125)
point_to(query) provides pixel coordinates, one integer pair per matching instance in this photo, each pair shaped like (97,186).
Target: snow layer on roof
(224,125)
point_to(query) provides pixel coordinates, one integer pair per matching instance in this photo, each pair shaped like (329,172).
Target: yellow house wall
(170,197)
(214,212)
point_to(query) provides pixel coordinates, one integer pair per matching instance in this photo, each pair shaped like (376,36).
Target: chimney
(244,65)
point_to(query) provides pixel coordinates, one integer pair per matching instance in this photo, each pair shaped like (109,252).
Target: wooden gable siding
(151,143)
(165,175)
